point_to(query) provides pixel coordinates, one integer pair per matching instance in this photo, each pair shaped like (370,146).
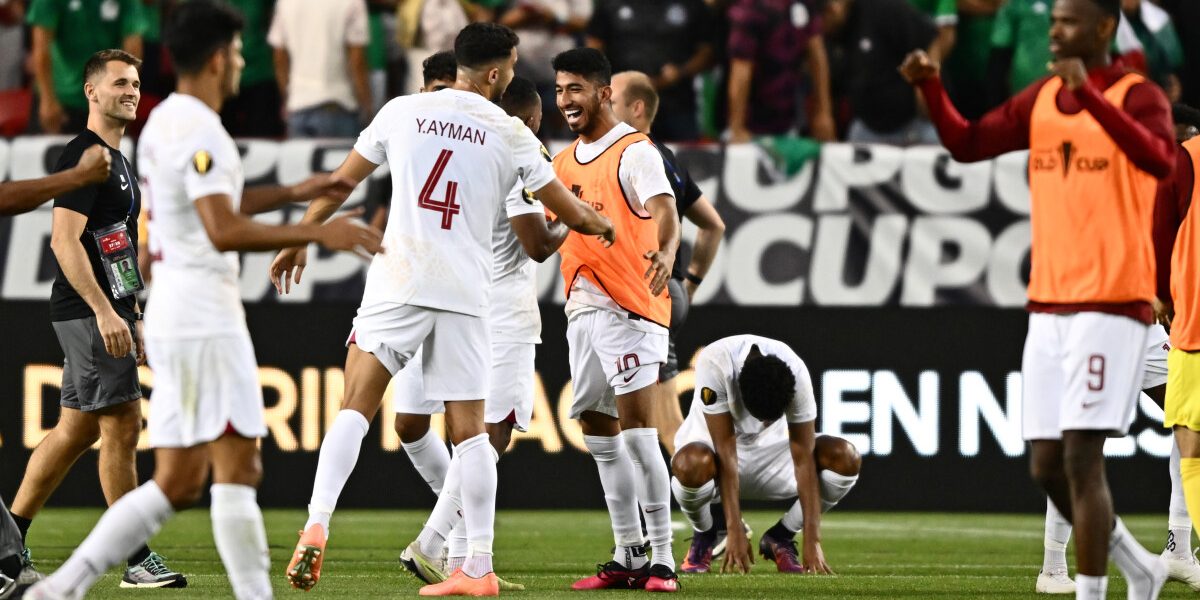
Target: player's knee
(181,489)
(411,430)
(694,465)
(1082,465)
(1047,471)
(121,428)
(838,455)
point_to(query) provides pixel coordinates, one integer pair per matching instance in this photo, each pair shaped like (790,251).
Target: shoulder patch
(708,396)
(202,161)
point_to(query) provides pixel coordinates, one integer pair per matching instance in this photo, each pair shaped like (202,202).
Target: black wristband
(137,316)
(692,277)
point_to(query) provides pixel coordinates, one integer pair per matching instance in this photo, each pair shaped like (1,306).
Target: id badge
(118,257)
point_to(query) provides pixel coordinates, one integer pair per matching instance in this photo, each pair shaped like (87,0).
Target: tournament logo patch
(707,396)
(202,161)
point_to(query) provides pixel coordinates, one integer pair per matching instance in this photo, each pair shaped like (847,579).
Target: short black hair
(440,66)
(1185,115)
(767,385)
(1110,8)
(589,63)
(99,61)
(197,29)
(480,44)
(520,95)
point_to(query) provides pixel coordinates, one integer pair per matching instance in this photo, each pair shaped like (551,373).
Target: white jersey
(717,392)
(514,315)
(454,157)
(185,154)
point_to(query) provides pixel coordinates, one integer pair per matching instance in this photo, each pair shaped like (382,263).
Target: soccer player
(207,412)
(735,444)
(635,102)
(1099,139)
(616,319)
(18,197)
(454,156)
(96,316)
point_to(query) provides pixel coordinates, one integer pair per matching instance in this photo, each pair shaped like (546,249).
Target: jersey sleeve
(803,407)
(372,142)
(357,29)
(643,171)
(80,200)
(44,13)
(277,33)
(529,157)
(713,380)
(1003,30)
(211,169)
(520,201)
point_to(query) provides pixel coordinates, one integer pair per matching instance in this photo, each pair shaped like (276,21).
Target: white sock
(457,542)
(479,502)
(241,540)
(126,526)
(1088,587)
(620,493)
(793,519)
(454,563)
(1135,562)
(653,490)
(431,459)
(1179,522)
(339,454)
(834,487)
(1058,532)
(446,513)
(694,502)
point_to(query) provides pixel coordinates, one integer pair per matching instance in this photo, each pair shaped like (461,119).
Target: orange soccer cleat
(460,584)
(305,569)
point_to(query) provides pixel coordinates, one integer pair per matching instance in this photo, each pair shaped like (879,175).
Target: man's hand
(918,67)
(668,76)
(288,260)
(349,233)
(1164,312)
(140,343)
(659,272)
(609,237)
(1071,71)
(814,559)
(118,341)
(323,185)
(51,115)
(94,164)
(738,557)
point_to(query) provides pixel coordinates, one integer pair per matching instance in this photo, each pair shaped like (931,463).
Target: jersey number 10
(447,207)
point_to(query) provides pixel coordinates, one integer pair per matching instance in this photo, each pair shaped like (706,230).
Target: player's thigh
(1103,364)
(1043,377)
(97,379)
(631,355)
(590,389)
(385,337)
(1183,390)
(457,358)
(236,459)
(512,379)
(181,473)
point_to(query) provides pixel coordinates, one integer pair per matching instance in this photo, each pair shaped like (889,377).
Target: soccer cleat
(1186,570)
(508,586)
(459,584)
(422,567)
(719,548)
(700,553)
(1055,582)
(780,551)
(662,579)
(152,573)
(1148,588)
(304,570)
(613,575)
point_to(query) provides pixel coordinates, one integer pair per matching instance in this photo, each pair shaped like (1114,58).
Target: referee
(95,315)
(635,102)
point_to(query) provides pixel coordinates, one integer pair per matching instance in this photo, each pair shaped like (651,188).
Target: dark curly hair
(588,63)
(767,385)
(440,66)
(481,44)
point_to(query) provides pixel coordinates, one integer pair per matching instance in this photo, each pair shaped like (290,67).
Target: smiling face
(115,91)
(580,100)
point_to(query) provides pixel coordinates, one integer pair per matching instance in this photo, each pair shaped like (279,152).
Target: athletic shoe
(780,551)
(152,573)
(304,570)
(700,553)
(719,548)
(508,586)
(7,586)
(662,579)
(613,575)
(422,567)
(460,584)
(1055,582)
(1186,570)
(1148,588)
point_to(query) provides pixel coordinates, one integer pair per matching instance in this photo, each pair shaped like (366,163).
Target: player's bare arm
(803,437)
(662,208)
(738,557)
(708,239)
(540,238)
(230,230)
(576,215)
(66,229)
(265,198)
(18,197)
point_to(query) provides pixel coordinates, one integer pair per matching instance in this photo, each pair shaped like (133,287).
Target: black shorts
(92,378)
(679,313)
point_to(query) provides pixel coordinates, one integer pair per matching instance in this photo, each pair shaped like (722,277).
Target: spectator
(669,40)
(1160,44)
(321,65)
(768,41)
(65,35)
(945,16)
(254,112)
(965,69)
(872,37)
(546,27)
(1186,14)
(12,43)
(425,27)
(1020,48)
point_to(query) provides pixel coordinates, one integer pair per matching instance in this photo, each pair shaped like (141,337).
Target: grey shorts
(679,312)
(92,378)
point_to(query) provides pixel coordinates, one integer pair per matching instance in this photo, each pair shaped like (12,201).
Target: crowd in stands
(729,70)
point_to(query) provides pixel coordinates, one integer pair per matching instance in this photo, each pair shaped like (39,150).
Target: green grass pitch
(876,555)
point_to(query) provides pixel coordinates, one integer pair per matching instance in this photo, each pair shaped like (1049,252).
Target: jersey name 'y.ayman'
(454,131)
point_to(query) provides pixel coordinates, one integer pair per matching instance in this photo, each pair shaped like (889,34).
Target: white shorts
(203,389)
(511,394)
(609,358)
(1158,345)
(1081,371)
(455,359)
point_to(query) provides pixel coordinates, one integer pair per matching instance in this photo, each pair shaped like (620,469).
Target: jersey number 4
(447,207)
